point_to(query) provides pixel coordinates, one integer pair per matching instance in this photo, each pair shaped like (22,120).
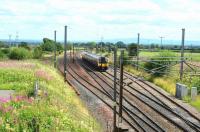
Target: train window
(102,60)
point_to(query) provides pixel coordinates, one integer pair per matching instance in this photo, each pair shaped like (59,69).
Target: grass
(166,83)
(57,107)
(196,103)
(194,56)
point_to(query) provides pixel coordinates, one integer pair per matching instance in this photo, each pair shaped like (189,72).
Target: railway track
(145,84)
(98,94)
(144,122)
(190,124)
(77,77)
(194,124)
(140,121)
(160,129)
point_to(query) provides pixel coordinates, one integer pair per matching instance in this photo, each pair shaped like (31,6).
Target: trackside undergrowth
(56,107)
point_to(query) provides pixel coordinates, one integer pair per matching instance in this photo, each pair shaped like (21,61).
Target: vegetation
(3,45)
(5,51)
(24,45)
(1,55)
(196,103)
(19,54)
(56,107)
(132,49)
(37,52)
(49,45)
(196,83)
(159,62)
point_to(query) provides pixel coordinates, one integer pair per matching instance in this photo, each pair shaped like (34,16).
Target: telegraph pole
(96,48)
(16,39)
(182,54)
(55,49)
(10,40)
(161,39)
(73,52)
(121,85)
(101,45)
(115,91)
(138,43)
(65,54)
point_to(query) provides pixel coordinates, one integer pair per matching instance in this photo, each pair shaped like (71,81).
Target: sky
(92,20)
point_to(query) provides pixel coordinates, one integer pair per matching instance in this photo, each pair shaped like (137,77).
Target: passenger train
(97,61)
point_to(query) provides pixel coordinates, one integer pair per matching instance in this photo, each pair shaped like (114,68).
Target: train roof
(92,55)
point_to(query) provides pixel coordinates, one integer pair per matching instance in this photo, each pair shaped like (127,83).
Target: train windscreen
(102,60)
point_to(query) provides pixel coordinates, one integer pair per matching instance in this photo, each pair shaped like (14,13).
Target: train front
(103,63)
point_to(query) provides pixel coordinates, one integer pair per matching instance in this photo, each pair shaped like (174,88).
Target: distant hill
(154,41)
(126,40)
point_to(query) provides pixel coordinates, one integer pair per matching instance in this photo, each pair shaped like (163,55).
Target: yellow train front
(97,61)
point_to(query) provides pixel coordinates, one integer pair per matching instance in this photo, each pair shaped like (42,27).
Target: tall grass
(57,107)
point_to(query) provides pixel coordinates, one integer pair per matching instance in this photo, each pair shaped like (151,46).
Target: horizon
(144,41)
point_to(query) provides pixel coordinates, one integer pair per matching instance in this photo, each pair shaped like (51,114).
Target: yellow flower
(40,92)
(7,126)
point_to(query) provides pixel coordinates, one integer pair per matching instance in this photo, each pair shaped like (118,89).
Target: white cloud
(89,19)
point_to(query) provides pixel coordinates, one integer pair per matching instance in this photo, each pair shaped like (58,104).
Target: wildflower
(4,100)
(8,109)
(39,92)
(1,121)
(43,74)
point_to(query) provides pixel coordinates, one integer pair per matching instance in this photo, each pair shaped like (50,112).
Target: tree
(59,47)
(2,44)
(37,52)
(24,45)
(47,45)
(132,49)
(120,44)
(91,45)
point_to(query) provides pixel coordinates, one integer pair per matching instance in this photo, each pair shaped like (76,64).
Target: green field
(193,56)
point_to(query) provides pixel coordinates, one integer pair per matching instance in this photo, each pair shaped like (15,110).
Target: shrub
(6,51)
(132,49)
(24,45)
(196,83)
(125,59)
(163,58)
(19,54)
(1,54)
(37,53)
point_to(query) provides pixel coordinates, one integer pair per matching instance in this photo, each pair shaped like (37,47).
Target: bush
(1,54)
(125,59)
(19,54)
(47,45)
(24,45)
(132,49)
(6,51)
(165,58)
(196,83)
(37,53)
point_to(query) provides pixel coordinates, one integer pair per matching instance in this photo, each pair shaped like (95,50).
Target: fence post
(182,54)
(36,89)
